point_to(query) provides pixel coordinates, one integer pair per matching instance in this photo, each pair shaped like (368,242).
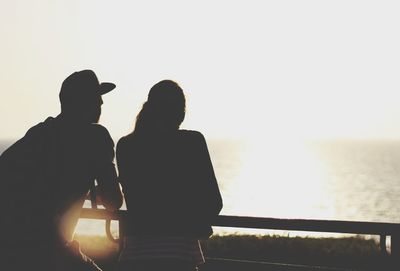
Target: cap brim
(106,87)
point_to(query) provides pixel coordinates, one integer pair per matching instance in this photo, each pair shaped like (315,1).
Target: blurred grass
(353,252)
(350,252)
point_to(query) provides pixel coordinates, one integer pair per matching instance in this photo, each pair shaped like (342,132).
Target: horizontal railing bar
(275,266)
(103,214)
(332,226)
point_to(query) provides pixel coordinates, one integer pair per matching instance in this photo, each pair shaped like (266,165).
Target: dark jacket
(169,184)
(47,171)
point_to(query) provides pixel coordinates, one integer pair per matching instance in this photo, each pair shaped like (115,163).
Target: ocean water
(344,180)
(340,180)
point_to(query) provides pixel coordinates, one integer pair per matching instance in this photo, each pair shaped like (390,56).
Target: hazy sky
(268,69)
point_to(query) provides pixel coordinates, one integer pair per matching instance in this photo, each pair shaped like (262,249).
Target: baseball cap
(83,85)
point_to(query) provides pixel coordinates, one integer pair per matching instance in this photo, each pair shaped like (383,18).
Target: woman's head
(164,109)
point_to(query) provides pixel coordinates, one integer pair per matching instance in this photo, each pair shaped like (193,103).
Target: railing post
(93,195)
(382,244)
(121,233)
(395,249)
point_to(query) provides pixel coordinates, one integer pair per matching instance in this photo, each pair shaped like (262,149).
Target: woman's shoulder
(193,137)
(191,134)
(124,141)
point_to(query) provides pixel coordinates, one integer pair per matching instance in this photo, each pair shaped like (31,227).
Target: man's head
(80,96)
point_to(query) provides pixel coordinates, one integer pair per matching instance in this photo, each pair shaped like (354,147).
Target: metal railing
(383,230)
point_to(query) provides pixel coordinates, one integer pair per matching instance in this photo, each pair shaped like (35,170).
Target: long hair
(164,109)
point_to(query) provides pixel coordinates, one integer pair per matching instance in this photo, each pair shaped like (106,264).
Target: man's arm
(108,189)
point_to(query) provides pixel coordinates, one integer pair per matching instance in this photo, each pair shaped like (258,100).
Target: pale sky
(268,69)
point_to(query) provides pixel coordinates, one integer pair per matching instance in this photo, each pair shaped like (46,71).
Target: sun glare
(279,179)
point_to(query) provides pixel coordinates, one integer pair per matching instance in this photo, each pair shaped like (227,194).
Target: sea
(354,180)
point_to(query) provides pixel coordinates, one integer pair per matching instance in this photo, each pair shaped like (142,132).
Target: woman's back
(169,183)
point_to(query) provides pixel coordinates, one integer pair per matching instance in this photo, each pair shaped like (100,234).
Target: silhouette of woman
(169,185)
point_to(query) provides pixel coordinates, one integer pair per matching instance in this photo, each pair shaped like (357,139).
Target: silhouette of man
(46,175)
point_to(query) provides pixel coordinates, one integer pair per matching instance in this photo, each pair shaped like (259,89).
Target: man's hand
(111,200)
(110,197)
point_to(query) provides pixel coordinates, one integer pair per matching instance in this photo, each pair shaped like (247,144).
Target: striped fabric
(162,247)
